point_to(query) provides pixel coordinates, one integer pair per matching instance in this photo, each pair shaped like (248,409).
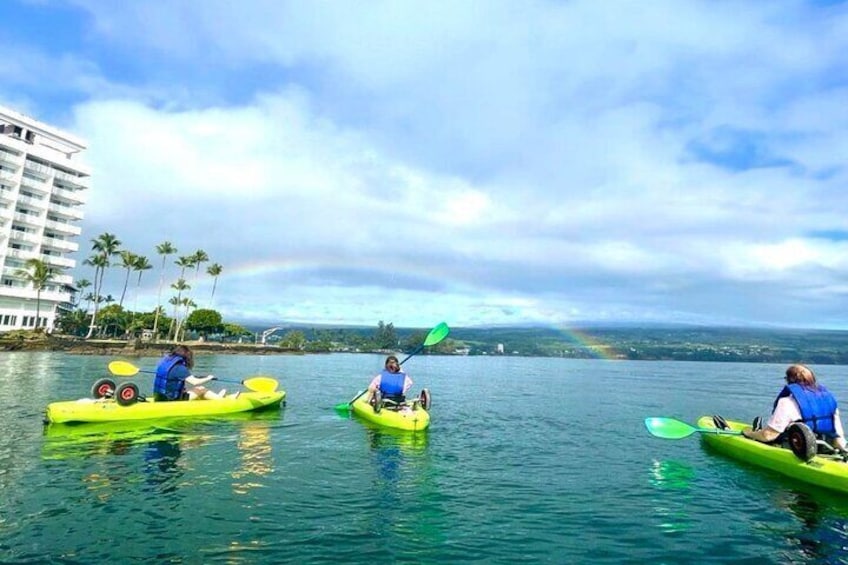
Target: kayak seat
(720,423)
(394,403)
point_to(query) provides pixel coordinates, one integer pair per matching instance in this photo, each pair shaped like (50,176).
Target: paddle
(669,428)
(435,336)
(256,384)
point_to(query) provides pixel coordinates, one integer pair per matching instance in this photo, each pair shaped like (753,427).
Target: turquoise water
(526,460)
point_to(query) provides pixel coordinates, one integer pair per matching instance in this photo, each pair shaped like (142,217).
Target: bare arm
(195,381)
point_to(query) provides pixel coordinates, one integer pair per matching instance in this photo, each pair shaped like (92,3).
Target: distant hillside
(682,343)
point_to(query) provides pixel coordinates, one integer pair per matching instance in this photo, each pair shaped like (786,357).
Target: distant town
(657,343)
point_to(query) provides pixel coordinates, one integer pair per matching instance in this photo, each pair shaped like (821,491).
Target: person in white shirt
(802,399)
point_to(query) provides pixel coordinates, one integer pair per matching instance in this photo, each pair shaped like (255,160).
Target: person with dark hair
(172,374)
(802,399)
(391,382)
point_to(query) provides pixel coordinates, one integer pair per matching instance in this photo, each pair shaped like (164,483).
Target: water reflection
(256,453)
(162,464)
(105,451)
(822,535)
(673,479)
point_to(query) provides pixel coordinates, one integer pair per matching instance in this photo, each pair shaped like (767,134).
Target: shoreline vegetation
(744,345)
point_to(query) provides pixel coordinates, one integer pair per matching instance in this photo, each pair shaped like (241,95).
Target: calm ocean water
(526,461)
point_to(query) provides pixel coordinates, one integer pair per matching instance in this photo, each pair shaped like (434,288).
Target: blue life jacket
(165,384)
(391,384)
(817,407)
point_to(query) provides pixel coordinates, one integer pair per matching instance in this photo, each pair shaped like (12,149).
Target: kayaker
(391,381)
(172,374)
(802,399)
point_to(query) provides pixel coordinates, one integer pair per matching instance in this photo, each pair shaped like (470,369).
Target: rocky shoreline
(131,348)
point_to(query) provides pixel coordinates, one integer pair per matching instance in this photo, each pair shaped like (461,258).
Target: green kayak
(827,471)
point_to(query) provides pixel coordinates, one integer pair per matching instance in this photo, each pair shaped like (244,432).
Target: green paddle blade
(437,334)
(669,428)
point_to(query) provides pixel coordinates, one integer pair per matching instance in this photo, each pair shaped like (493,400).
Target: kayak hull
(107,410)
(823,471)
(409,418)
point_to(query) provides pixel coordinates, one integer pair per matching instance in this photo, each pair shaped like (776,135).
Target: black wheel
(377,401)
(424,398)
(801,441)
(103,388)
(126,394)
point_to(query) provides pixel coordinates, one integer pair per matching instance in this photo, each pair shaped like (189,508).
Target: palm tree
(184,262)
(214,270)
(177,301)
(140,265)
(82,284)
(99,262)
(38,273)
(128,259)
(198,258)
(105,245)
(164,249)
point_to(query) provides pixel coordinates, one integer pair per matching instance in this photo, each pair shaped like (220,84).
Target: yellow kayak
(411,416)
(821,470)
(108,410)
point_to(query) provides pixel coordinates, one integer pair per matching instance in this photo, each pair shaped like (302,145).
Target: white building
(42,190)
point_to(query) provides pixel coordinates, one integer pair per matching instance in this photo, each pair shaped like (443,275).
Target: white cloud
(498,161)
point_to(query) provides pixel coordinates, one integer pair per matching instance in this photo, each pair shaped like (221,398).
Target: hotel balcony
(66,228)
(66,211)
(29,219)
(18,235)
(58,262)
(72,196)
(60,244)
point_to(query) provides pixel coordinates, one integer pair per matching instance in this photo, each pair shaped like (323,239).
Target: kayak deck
(410,418)
(107,410)
(825,471)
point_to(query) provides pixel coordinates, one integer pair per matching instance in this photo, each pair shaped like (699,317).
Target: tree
(294,340)
(72,322)
(176,302)
(128,259)
(205,321)
(82,284)
(214,270)
(386,336)
(37,273)
(198,258)
(140,265)
(235,330)
(104,246)
(164,249)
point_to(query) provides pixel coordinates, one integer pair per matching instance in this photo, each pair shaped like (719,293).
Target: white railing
(23,236)
(64,210)
(28,219)
(63,227)
(59,261)
(72,195)
(62,244)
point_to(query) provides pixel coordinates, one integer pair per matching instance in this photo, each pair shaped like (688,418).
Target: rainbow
(581,340)
(590,344)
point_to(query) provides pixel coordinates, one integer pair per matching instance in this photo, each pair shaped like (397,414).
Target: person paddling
(391,382)
(802,399)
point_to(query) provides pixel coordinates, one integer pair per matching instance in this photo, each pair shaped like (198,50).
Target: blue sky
(474,162)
